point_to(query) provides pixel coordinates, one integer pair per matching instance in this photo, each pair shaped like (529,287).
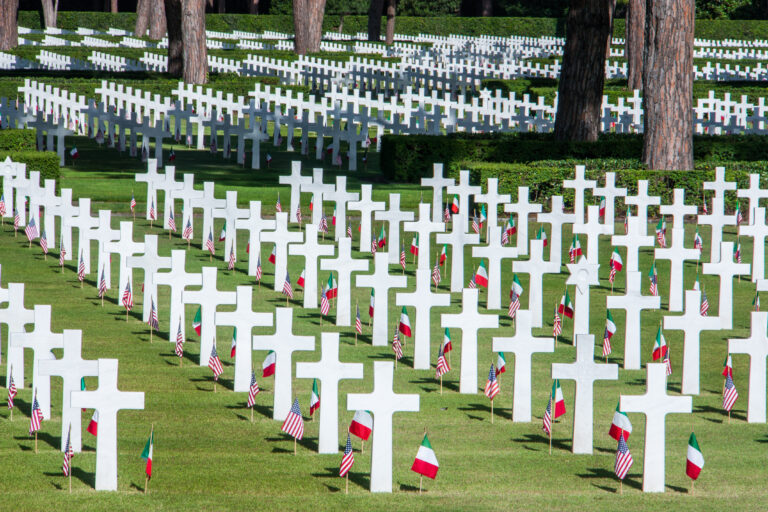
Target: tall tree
(142,17)
(50,11)
(175,43)
(634,40)
(580,91)
(193,36)
(157,20)
(9,27)
(113,6)
(390,22)
(308,25)
(668,84)
(374,20)
(253,6)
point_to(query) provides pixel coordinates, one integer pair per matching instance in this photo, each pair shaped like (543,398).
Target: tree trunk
(634,41)
(253,6)
(222,4)
(668,84)
(50,10)
(374,20)
(580,91)
(486,8)
(175,43)
(113,6)
(390,22)
(157,21)
(142,17)
(9,29)
(611,12)
(193,37)
(308,25)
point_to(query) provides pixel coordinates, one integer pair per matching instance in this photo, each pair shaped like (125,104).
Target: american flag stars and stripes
(349,229)
(152,213)
(730,395)
(294,423)
(514,305)
(69,452)
(475,224)
(397,348)
(3,208)
(287,288)
(128,297)
(44,243)
(446,214)
(258,269)
(214,363)
(402,256)
(16,219)
(278,206)
(81,269)
(172,222)
(102,285)
(654,278)
(348,459)
(547,420)
(62,253)
(209,243)
(704,304)
(253,390)
(436,278)
(442,364)
(11,392)
(325,304)
(358,322)
(231,264)
(31,229)
(153,321)
(36,417)
(298,214)
(187,233)
(557,325)
(492,385)
(623,459)
(179,341)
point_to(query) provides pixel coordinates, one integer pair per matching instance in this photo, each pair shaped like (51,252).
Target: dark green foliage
(17,140)
(46,162)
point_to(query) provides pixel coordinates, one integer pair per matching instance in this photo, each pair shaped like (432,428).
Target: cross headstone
(230,213)
(726,268)
(284,343)
(311,250)
(758,230)
(523,345)
(458,238)
(209,298)
(15,316)
(383,402)
(492,199)
(255,224)
(329,370)
(692,323)
(423,299)
(522,208)
(642,200)
(84,223)
(583,275)
(177,279)
(153,180)
(71,368)
(8,171)
(50,201)
(107,400)
(593,229)
(319,191)
(754,193)
(438,183)
(495,253)
(344,264)
(187,193)
(556,218)
(341,198)
(718,219)
(21,184)
(677,254)
(150,262)
(633,241)
(296,182)
(610,192)
(103,234)
(584,372)
(208,203)
(169,186)
(65,211)
(535,267)
(393,217)
(124,247)
(381,281)
(756,346)
(464,191)
(243,319)
(579,184)
(469,321)
(678,209)
(281,237)
(633,302)
(424,227)
(655,404)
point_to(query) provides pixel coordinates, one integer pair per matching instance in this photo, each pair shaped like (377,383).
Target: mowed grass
(209,456)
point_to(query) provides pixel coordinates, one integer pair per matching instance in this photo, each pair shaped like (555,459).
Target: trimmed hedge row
(17,140)
(46,162)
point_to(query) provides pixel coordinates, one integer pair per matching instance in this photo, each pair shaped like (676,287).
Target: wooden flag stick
(491,411)
(251,414)
(294,446)
(421,478)
(729,417)
(210,256)
(621,486)
(102,300)
(181,361)
(441,384)
(151,330)
(692,482)
(126,314)
(346,484)
(35,441)
(362,447)
(146,484)
(551,427)
(214,385)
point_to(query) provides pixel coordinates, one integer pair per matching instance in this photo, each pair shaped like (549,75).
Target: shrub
(17,140)
(46,162)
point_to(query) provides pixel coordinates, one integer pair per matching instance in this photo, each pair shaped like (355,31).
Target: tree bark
(611,12)
(221,6)
(113,6)
(668,84)
(157,21)
(142,17)
(486,8)
(175,43)
(582,77)
(390,38)
(195,53)
(634,41)
(9,29)
(50,9)
(374,20)
(308,25)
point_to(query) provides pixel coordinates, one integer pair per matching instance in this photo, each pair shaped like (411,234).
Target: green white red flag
(426,461)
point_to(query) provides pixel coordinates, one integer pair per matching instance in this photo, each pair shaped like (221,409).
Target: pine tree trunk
(634,41)
(9,29)
(668,84)
(308,25)
(611,12)
(113,6)
(222,5)
(49,12)
(374,20)
(142,17)
(582,77)
(157,21)
(193,37)
(390,38)
(486,8)
(253,6)
(175,43)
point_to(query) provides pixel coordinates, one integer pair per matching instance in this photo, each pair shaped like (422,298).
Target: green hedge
(17,140)
(46,162)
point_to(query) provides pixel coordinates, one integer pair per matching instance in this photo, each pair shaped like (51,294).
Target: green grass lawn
(209,456)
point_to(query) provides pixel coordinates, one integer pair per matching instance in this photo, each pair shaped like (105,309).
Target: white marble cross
(255,224)
(243,319)
(593,229)
(458,238)
(678,209)
(438,183)
(469,321)
(756,346)
(311,250)
(610,192)
(493,199)
(464,191)
(153,180)
(344,264)
(281,237)
(556,218)
(423,299)
(341,198)
(150,262)
(633,241)
(726,268)
(718,219)
(284,343)
(177,278)
(633,302)
(584,372)
(754,193)
(655,404)
(65,211)
(381,281)
(107,400)
(692,323)
(329,370)
(394,217)
(424,227)
(579,184)
(366,206)
(523,344)
(41,340)
(319,191)
(677,254)
(71,368)
(383,402)
(208,297)
(104,234)
(124,247)
(15,316)
(523,208)
(296,182)
(495,253)
(230,213)
(84,223)
(208,203)
(169,186)
(8,171)
(583,275)
(535,267)
(642,200)
(187,194)
(758,230)
(50,201)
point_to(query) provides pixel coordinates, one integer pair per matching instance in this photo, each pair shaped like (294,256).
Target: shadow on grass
(719,411)
(42,437)
(633,481)
(410,488)
(88,479)
(430,385)
(221,384)
(498,412)
(560,444)
(306,443)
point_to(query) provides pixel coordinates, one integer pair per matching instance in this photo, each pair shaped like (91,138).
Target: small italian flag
(223,234)
(197,322)
(233,347)
(362,425)
(443,254)
(426,462)
(415,245)
(695,458)
(273,255)
(659,346)
(756,302)
(728,366)
(610,327)
(370,306)
(447,345)
(616,262)
(566,306)
(517,288)
(268,366)
(620,425)
(300,281)
(557,398)
(501,364)
(405,323)
(455,204)
(314,398)
(542,235)
(93,426)
(481,277)
(147,453)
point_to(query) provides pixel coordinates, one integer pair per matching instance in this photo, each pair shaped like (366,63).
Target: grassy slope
(209,456)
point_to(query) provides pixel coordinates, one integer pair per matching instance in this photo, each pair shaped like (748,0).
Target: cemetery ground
(208,455)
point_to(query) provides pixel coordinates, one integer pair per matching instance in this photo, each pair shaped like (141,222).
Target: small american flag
(704,206)
(69,452)
(514,305)
(187,233)
(442,364)
(133,202)
(11,392)
(81,269)
(253,390)
(258,268)
(504,237)
(294,423)
(623,459)
(739,216)
(737,252)
(287,289)
(436,278)
(729,393)
(298,214)
(16,219)
(358,322)
(402,256)
(278,206)
(231,265)
(44,243)
(214,363)
(323,224)
(704,304)
(557,327)
(349,230)
(102,285)
(547,421)
(179,341)
(612,273)
(128,297)
(446,214)
(172,222)
(472,283)
(2,205)
(492,385)
(397,348)
(209,243)
(667,364)
(31,230)
(348,459)
(475,225)
(62,254)
(152,214)
(36,417)
(153,322)
(325,305)
(374,245)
